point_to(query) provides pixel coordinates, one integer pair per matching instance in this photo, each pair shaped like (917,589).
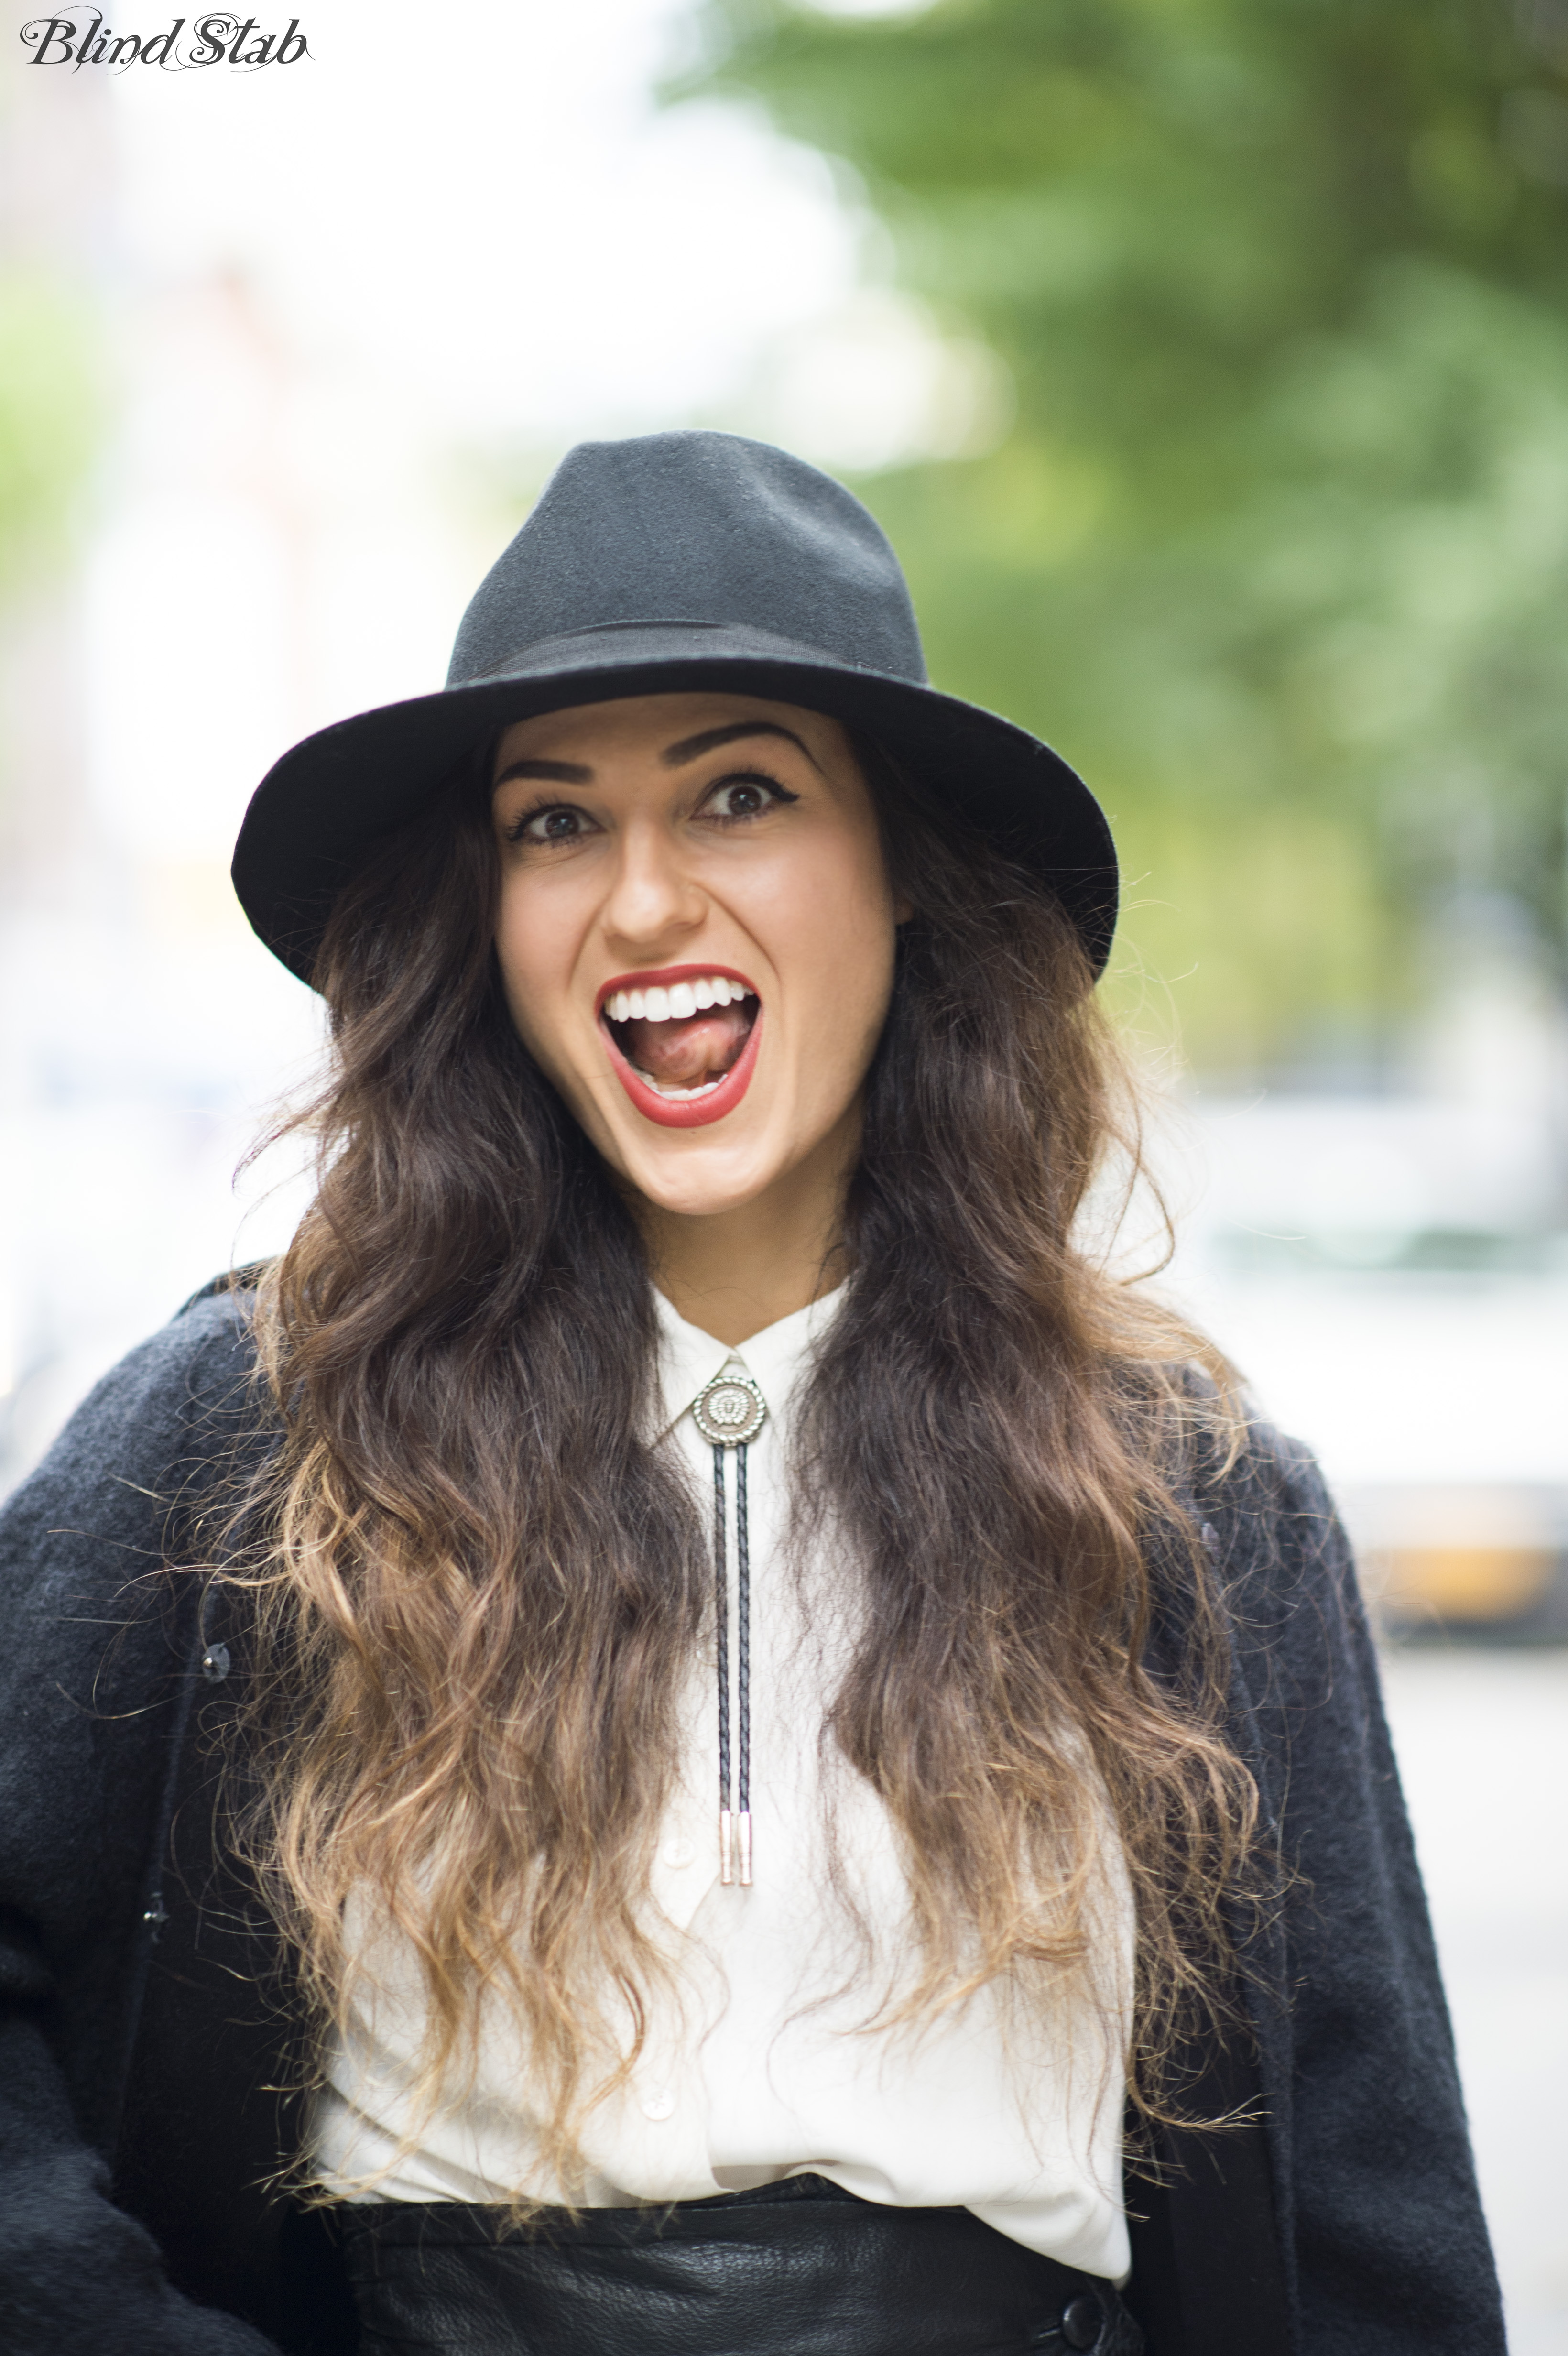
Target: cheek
(529,959)
(845,940)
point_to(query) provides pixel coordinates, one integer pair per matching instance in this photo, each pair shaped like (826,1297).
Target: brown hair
(480,1589)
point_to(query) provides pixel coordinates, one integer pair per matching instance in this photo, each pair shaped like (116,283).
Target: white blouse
(764,2066)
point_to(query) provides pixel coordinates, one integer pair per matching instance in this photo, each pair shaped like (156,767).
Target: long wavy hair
(480,1589)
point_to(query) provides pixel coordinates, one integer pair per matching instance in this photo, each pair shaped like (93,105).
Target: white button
(659,2104)
(678,1851)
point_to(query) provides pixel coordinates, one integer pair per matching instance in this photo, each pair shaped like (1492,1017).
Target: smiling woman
(695,938)
(727,1746)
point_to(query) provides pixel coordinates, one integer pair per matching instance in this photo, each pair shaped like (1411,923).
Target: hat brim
(323,809)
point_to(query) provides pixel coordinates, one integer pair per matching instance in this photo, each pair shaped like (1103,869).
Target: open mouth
(683,1040)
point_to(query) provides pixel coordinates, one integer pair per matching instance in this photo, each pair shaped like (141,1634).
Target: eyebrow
(692,748)
(555,773)
(674,757)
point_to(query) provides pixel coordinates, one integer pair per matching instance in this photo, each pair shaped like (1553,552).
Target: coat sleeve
(1373,2177)
(90,1693)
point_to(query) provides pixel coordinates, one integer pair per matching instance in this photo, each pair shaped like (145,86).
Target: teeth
(677,1003)
(680,1094)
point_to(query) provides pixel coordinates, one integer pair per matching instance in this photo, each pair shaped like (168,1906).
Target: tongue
(685,1055)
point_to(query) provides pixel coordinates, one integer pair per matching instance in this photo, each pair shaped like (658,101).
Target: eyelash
(526,817)
(781,793)
(517,830)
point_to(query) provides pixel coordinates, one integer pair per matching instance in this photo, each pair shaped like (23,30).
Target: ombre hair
(480,1590)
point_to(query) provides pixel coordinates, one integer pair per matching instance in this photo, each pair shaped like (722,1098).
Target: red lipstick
(690,1112)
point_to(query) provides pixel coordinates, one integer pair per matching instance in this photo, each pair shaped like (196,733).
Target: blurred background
(1209,368)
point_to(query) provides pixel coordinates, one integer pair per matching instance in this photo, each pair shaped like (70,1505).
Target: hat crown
(694,527)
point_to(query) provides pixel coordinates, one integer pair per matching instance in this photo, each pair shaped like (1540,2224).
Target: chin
(698,1176)
(700,1185)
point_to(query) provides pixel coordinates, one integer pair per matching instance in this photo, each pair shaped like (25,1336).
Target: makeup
(705,1006)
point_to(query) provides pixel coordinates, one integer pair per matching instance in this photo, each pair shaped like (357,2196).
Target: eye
(744,797)
(549,822)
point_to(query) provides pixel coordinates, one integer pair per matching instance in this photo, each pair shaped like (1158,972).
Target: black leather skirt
(800,2268)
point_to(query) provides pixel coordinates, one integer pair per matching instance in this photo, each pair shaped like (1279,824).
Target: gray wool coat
(146,2025)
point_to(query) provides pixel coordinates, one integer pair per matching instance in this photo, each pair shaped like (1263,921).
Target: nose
(653,900)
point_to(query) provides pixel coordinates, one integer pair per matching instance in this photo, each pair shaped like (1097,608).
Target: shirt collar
(775,1358)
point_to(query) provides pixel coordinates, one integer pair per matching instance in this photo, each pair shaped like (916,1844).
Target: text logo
(189,43)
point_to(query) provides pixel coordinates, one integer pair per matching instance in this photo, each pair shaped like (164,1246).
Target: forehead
(644,727)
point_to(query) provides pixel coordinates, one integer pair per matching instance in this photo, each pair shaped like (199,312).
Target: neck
(733,1273)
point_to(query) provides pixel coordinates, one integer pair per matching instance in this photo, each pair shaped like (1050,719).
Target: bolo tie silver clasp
(729,1412)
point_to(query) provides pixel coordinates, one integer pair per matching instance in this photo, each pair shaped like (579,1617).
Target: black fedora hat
(672,561)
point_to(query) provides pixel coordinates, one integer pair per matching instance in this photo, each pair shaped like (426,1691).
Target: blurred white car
(1386,1275)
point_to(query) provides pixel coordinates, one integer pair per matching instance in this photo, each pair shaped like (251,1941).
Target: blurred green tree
(48,413)
(1276,546)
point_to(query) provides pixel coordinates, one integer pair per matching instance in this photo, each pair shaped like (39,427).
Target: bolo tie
(729,1412)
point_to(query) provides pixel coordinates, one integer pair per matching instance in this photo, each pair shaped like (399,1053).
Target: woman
(684,1729)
